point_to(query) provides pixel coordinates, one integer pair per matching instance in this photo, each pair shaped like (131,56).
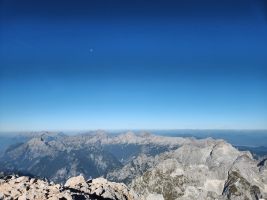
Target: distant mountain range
(154,166)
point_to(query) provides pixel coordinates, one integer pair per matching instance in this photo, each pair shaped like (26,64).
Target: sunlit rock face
(204,170)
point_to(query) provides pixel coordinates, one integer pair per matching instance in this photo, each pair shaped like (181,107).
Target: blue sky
(133,64)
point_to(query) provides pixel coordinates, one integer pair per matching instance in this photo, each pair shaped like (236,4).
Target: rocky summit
(204,170)
(76,188)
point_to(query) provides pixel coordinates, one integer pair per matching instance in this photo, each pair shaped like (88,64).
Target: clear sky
(90,64)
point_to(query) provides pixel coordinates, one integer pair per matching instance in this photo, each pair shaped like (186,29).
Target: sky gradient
(75,65)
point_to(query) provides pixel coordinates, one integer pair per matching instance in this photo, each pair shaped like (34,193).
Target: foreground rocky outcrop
(76,188)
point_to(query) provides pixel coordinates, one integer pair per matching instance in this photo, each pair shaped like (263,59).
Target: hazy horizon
(137,130)
(243,138)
